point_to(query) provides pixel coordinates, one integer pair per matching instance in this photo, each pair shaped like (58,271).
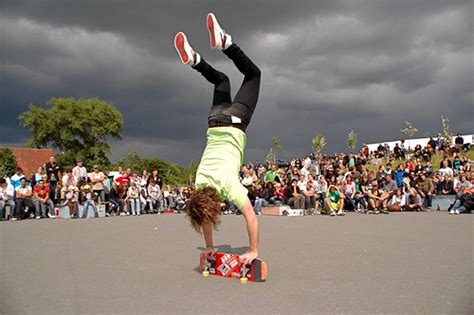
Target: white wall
(411,143)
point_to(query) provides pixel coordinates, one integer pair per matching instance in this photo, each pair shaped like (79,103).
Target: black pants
(245,101)
(20,205)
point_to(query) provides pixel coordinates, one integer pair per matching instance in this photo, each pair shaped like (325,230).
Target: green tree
(270,157)
(79,128)
(447,135)
(7,162)
(170,173)
(352,140)
(319,142)
(276,147)
(409,130)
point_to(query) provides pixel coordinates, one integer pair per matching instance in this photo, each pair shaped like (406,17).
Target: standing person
(16,178)
(67,180)
(79,172)
(40,174)
(156,177)
(217,174)
(97,178)
(53,172)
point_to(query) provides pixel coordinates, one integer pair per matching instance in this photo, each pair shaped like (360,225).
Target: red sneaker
(218,37)
(185,51)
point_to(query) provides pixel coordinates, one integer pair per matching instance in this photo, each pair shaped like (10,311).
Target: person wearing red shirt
(41,200)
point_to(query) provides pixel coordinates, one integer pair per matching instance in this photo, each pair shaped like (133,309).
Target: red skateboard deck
(228,265)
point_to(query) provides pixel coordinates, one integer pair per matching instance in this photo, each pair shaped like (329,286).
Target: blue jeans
(3,205)
(259,203)
(155,205)
(135,206)
(459,207)
(427,201)
(87,204)
(41,207)
(117,205)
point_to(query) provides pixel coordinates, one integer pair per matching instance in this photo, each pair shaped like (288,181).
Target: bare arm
(252,225)
(207,231)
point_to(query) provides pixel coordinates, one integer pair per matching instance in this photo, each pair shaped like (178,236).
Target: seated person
(398,201)
(43,204)
(7,194)
(88,201)
(465,203)
(115,198)
(72,201)
(334,202)
(413,201)
(293,196)
(154,196)
(278,193)
(310,194)
(446,185)
(377,200)
(24,193)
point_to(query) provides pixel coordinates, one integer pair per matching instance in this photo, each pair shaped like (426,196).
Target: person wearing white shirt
(79,172)
(6,198)
(446,170)
(302,183)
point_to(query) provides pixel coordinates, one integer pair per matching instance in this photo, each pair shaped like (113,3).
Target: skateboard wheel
(205,273)
(243,280)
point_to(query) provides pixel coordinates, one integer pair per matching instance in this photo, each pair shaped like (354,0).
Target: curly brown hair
(204,206)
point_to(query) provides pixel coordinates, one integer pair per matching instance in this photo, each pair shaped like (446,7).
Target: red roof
(30,159)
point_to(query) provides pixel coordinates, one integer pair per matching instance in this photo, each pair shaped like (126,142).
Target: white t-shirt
(24,190)
(446,171)
(302,185)
(79,172)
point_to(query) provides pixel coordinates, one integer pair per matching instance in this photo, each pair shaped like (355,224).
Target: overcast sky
(327,66)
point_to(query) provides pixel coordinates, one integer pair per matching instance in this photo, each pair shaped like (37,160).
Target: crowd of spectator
(120,192)
(320,184)
(334,184)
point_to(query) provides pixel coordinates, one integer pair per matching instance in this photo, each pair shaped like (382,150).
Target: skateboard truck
(205,272)
(244,279)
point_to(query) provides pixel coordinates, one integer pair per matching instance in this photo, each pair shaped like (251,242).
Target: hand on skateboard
(248,257)
(231,266)
(208,252)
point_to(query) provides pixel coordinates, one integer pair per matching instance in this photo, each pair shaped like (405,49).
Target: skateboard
(229,266)
(282,211)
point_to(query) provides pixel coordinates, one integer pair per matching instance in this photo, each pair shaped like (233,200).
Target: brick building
(30,159)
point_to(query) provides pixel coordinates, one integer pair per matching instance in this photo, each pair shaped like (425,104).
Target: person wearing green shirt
(335,202)
(217,176)
(272,174)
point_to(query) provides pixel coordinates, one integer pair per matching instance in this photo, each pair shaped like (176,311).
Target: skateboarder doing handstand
(217,174)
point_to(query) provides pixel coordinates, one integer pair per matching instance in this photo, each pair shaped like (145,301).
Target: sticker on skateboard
(229,266)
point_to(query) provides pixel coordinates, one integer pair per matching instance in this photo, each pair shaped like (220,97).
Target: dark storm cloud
(328,66)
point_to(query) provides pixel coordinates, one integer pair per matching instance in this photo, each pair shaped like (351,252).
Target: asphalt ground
(397,263)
